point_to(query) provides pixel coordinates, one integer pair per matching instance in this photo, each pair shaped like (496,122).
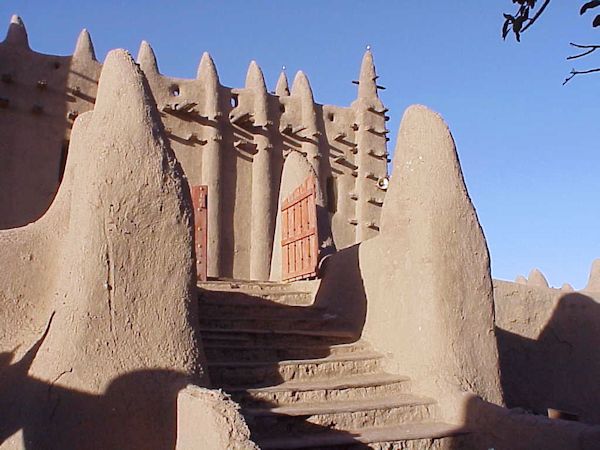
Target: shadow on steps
(302,379)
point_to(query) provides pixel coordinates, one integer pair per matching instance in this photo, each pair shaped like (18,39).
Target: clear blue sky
(529,147)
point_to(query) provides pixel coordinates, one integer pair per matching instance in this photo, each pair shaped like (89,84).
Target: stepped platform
(302,382)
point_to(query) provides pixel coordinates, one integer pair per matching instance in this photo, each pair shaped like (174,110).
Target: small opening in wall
(332,194)
(330,116)
(56,65)
(234,100)
(175,91)
(282,108)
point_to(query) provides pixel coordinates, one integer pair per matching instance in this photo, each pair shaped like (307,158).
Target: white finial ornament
(283,68)
(368,47)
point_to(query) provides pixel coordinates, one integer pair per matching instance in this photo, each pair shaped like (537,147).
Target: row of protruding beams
(306,131)
(537,278)
(84,50)
(302,126)
(371,133)
(37,108)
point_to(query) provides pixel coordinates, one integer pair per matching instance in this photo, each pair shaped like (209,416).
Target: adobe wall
(98,301)
(235,140)
(421,291)
(548,340)
(208,419)
(40,96)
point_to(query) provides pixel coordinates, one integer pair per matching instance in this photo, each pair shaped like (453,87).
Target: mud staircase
(301,382)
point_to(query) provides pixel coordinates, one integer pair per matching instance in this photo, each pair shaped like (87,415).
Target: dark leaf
(505,29)
(589,5)
(508,17)
(596,22)
(517,25)
(518,36)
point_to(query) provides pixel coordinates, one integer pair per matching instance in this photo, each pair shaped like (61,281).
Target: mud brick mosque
(192,266)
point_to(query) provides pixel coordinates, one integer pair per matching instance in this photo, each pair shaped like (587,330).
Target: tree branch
(537,15)
(574,72)
(590,49)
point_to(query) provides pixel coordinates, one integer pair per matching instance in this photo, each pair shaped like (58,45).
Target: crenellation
(306,129)
(17,33)
(593,284)
(566,287)
(84,49)
(147,59)
(209,82)
(282,89)
(537,278)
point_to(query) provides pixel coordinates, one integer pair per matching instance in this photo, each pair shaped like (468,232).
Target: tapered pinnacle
(17,34)
(367,86)
(282,89)
(147,59)
(84,49)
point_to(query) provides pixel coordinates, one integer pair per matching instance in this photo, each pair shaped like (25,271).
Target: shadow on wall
(342,290)
(33,127)
(561,368)
(82,420)
(489,426)
(41,96)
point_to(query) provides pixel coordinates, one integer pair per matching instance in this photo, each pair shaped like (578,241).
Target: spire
(17,34)
(209,79)
(255,78)
(367,85)
(594,279)
(301,87)
(537,278)
(256,81)
(521,280)
(84,49)
(566,287)
(301,90)
(146,58)
(282,89)
(207,70)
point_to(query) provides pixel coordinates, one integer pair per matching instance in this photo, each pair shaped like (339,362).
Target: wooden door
(299,240)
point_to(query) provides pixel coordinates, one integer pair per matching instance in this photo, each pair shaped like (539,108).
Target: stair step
(266,324)
(261,374)
(246,310)
(411,436)
(339,415)
(333,407)
(282,337)
(249,285)
(218,350)
(232,285)
(256,339)
(264,297)
(305,392)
